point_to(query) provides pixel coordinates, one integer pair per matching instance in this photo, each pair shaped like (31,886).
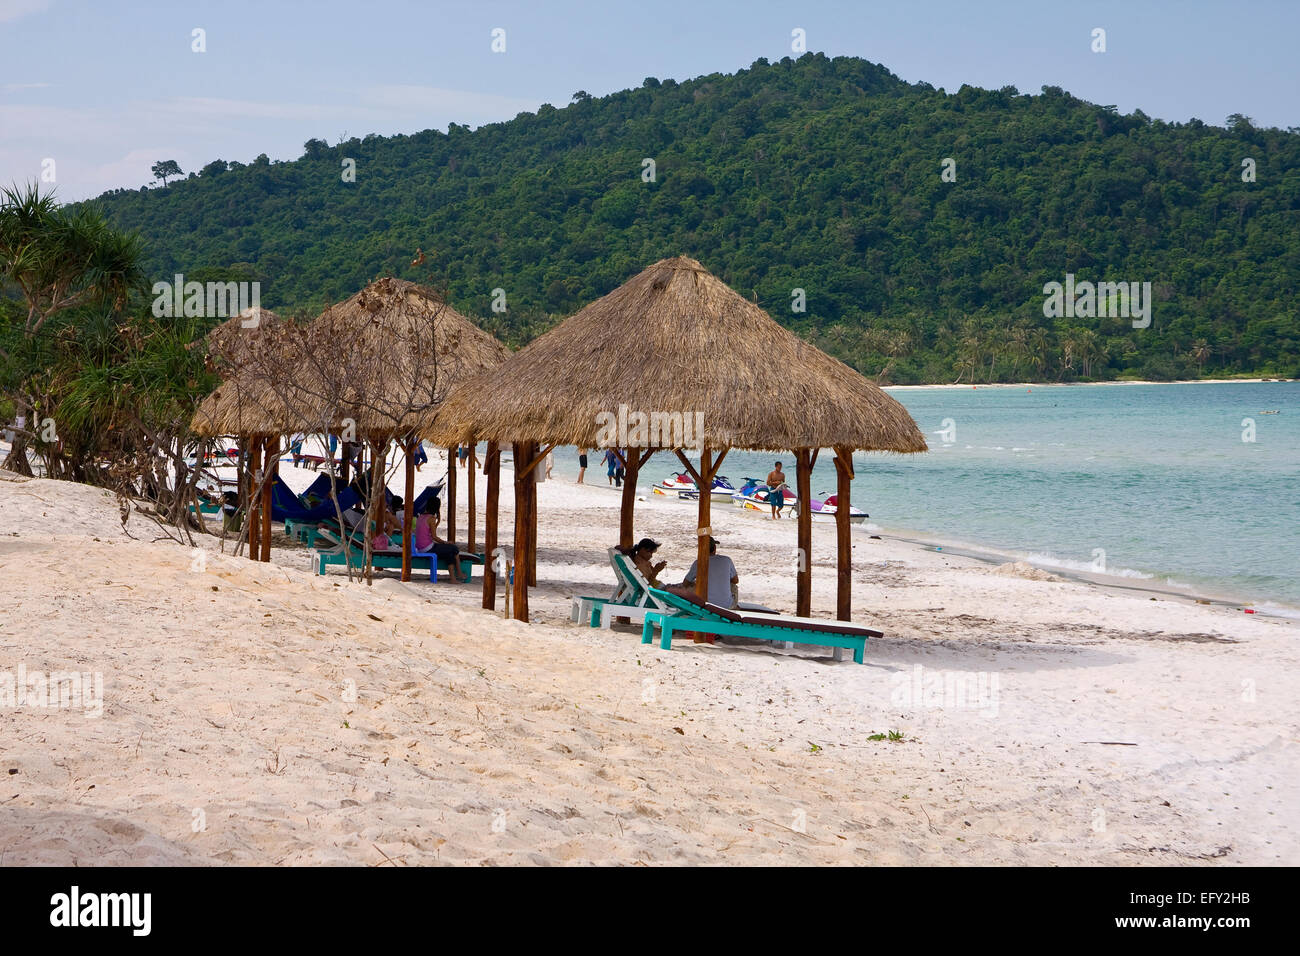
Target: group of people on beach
(615,471)
(424,528)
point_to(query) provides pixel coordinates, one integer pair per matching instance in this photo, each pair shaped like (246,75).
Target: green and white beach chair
(689,613)
(641,596)
(587,608)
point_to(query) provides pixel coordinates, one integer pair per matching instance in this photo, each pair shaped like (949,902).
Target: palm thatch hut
(367,369)
(231,340)
(676,344)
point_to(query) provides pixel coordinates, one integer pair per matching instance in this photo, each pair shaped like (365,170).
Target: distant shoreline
(1191,381)
(1153,585)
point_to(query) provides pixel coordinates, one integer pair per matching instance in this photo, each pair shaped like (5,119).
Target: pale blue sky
(106,88)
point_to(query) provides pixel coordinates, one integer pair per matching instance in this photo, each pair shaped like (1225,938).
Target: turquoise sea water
(1155,476)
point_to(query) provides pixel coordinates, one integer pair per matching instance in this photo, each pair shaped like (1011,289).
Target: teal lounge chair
(333,553)
(689,613)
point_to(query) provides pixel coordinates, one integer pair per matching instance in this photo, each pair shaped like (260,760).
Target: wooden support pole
(539,456)
(686,463)
(451,493)
(408,519)
(843,543)
(703,531)
(626,512)
(252,520)
(268,479)
(492,465)
(803,458)
(379,484)
(535,458)
(523,528)
(472,495)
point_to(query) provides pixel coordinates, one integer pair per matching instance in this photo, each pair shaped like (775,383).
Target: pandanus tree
(58,259)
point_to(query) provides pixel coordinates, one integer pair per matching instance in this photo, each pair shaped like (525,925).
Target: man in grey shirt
(723,581)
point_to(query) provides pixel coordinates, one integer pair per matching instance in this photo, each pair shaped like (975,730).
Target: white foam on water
(1070,564)
(1278,610)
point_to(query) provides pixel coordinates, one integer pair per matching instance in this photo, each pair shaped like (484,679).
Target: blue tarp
(285,504)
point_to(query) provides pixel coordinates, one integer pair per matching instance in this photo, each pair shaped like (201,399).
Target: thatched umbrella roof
(231,338)
(675,339)
(380,359)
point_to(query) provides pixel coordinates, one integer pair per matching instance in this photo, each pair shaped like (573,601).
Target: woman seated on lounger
(427,540)
(641,554)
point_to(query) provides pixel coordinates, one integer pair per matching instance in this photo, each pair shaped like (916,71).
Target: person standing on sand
(582,466)
(776,490)
(353,454)
(611,464)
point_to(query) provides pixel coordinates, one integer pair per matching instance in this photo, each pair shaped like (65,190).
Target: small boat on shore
(682,485)
(823,509)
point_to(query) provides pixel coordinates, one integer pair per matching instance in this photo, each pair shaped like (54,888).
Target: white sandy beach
(1114,729)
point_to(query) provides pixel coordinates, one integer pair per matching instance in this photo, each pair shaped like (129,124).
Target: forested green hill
(818,174)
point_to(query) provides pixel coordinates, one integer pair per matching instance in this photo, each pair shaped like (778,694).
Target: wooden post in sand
(523,527)
(492,465)
(703,530)
(471,493)
(451,493)
(408,519)
(268,479)
(535,462)
(379,481)
(804,459)
(632,464)
(252,520)
(843,544)
(703,477)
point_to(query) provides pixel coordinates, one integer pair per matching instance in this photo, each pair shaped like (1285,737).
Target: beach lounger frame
(644,603)
(586,607)
(334,554)
(692,614)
